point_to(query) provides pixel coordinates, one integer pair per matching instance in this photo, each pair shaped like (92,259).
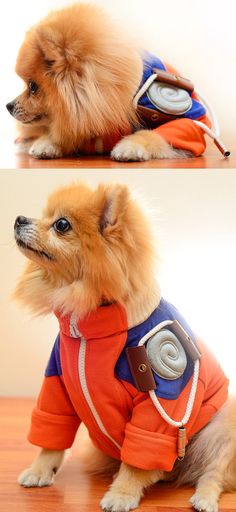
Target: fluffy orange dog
(81,74)
(92,262)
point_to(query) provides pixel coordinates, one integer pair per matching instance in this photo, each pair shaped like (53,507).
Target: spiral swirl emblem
(166,355)
(169,99)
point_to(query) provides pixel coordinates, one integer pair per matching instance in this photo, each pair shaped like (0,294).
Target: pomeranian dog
(92,262)
(83,78)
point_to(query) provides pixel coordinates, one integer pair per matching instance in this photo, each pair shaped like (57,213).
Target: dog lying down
(89,89)
(125,362)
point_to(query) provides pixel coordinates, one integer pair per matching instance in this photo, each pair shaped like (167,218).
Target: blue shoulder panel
(54,363)
(168,389)
(149,62)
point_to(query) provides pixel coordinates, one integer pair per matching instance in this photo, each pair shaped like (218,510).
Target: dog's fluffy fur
(107,256)
(86,72)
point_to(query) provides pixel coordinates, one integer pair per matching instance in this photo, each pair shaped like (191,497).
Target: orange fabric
(54,420)
(103,145)
(185,134)
(130,418)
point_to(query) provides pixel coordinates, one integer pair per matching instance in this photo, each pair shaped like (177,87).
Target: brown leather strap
(140,368)
(185,340)
(171,79)
(152,118)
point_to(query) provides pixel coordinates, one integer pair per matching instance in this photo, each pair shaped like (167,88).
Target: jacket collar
(103,322)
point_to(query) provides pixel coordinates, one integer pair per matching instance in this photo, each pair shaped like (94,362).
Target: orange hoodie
(88,379)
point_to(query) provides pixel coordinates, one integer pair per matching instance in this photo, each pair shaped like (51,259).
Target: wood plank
(73,489)
(211,159)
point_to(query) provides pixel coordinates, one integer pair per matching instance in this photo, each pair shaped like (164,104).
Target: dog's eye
(33,87)
(62,225)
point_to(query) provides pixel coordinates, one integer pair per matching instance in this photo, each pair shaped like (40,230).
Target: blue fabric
(54,363)
(168,389)
(149,62)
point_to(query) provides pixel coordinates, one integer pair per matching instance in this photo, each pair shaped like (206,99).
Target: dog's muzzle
(26,236)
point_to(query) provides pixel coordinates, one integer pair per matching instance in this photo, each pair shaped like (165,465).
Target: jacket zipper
(83,382)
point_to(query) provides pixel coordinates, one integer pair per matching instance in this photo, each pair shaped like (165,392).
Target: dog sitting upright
(122,353)
(89,89)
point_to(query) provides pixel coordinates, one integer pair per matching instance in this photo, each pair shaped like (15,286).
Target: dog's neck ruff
(139,308)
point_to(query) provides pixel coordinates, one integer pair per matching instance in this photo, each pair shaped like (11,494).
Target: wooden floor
(73,491)
(211,159)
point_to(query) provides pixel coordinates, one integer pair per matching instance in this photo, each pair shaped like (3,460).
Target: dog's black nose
(20,220)
(10,106)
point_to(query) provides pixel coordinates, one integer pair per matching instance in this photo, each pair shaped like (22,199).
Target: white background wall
(198,37)
(194,213)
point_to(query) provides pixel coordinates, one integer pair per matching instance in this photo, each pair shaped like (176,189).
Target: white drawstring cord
(211,112)
(153,331)
(190,403)
(193,391)
(214,133)
(218,142)
(144,88)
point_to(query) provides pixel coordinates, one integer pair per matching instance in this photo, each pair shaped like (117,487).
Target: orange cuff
(52,431)
(148,450)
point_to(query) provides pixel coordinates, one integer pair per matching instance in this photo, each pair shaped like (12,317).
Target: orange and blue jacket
(88,380)
(181,133)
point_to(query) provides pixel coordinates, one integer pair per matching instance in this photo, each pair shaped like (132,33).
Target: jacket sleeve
(185,134)
(54,421)
(150,442)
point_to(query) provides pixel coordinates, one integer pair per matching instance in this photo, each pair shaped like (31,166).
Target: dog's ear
(51,46)
(114,204)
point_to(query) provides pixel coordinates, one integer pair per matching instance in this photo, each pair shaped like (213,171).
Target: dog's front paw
(145,145)
(35,478)
(203,503)
(130,150)
(114,501)
(44,148)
